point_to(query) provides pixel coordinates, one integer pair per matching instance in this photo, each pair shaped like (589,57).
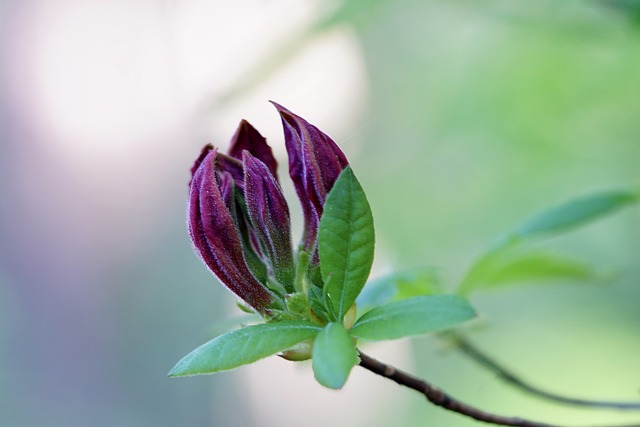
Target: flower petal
(248,138)
(203,153)
(232,166)
(269,214)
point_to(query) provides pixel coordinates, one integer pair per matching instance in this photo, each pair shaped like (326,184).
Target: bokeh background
(460,118)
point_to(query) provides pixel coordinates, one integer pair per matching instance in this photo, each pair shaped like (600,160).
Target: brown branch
(440,398)
(482,359)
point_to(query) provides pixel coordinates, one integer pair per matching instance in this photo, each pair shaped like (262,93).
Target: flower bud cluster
(239,220)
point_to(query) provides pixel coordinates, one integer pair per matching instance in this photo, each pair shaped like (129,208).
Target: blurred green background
(460,118)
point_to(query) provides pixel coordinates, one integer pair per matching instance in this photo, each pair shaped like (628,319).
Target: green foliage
(334,354)
(413,316)
(318,303)
(297,304)
(511,262)
(243,346)
(541,267)
(397,286)
(345,242)
(575,213)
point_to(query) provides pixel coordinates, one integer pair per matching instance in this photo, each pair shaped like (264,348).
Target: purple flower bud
(269,215)
(239,220)
(315,162)
(215,235)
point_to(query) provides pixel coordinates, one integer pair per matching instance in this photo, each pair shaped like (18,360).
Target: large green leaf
(345,242)
(243,346)
(334,354)
(413,316)
(576,212)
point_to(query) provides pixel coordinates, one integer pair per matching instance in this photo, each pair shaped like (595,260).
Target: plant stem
(440,398)
(487,362)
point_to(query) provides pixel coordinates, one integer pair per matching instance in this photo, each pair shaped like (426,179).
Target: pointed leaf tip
(576,212)
(243,346)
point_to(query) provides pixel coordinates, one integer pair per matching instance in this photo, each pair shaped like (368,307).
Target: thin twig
(440,398)
(484,360)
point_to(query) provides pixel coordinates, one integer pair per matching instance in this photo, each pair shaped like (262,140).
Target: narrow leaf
(413,316)
(334,354)
(243,346)
(318,303)
(485,264)
(576,212)
(539,268)
(345,242)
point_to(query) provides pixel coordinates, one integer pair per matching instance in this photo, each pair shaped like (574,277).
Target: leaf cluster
(321,322)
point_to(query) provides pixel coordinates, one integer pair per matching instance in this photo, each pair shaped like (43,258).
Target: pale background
(460,118)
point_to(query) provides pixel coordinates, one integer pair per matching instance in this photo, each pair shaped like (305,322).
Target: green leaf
(345,242)
(400,285)
(318,303)
(243,346)
(334,354)
(541,267)
(485,264)
(576,212)
(413,316)
(555,220)
(298,304)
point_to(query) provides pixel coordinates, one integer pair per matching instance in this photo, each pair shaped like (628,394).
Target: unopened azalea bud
(216,237)
(315,161)
(239,220)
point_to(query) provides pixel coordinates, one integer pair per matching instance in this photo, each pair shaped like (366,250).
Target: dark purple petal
(250,244)
(203,153)
(216,238)
(315,161)
(269,214)
(231,166)
(248,138)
